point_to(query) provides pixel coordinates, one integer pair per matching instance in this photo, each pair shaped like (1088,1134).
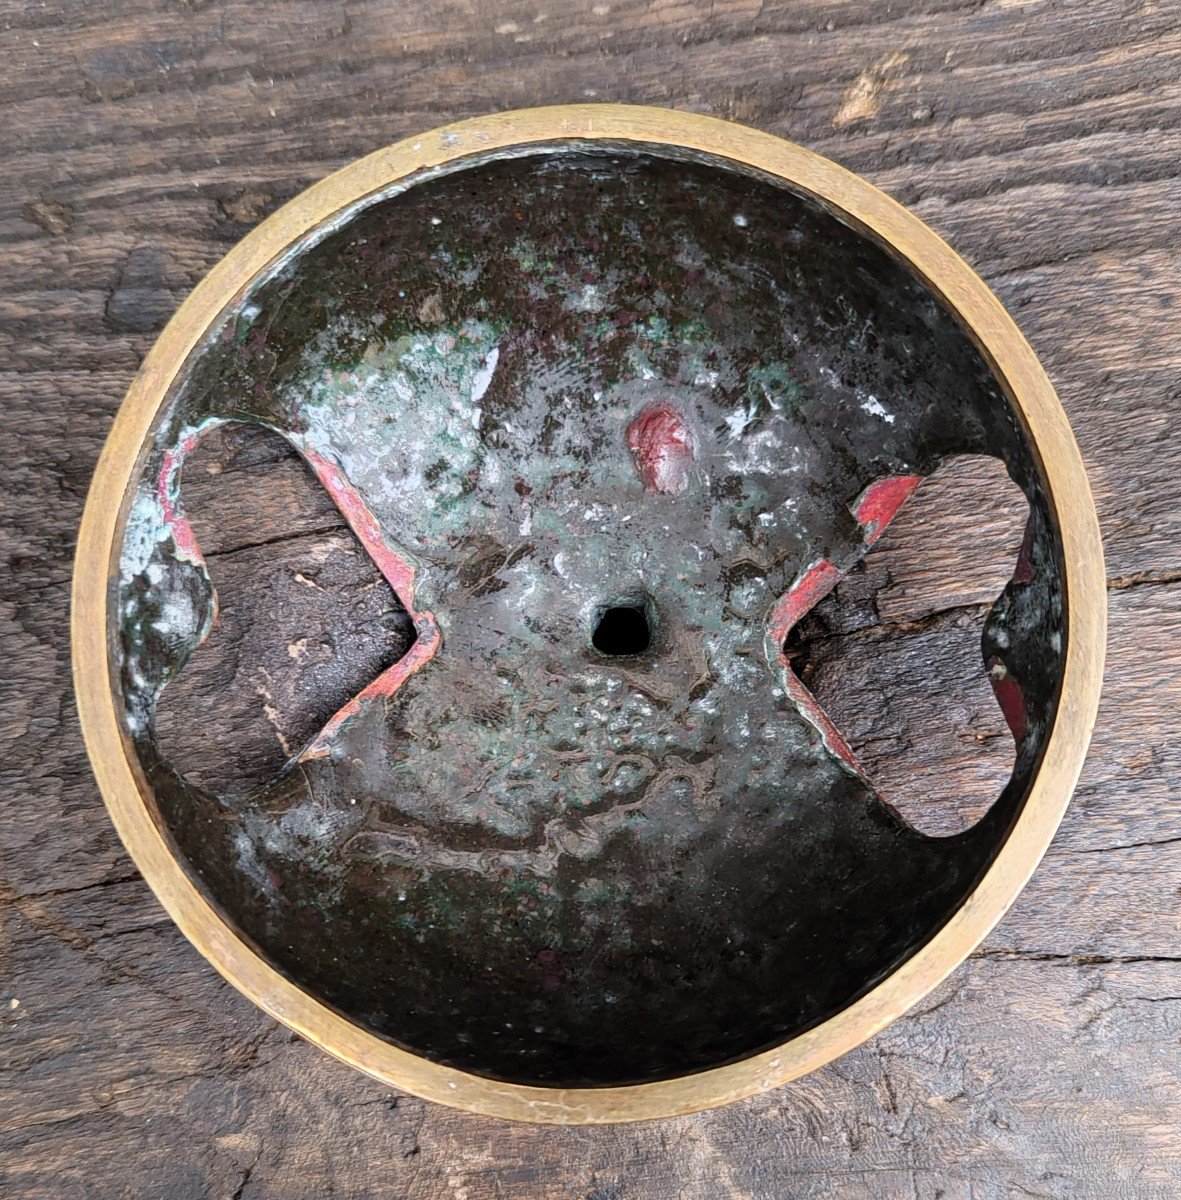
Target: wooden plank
(142,138)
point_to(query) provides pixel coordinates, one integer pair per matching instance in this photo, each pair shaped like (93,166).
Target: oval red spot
(662,445)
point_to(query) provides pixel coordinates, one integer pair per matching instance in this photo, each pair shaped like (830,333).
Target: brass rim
(128,796)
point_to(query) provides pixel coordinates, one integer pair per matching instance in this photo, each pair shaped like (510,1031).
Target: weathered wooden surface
(141,139)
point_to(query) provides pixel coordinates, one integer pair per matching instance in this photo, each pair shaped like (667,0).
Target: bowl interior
(608,421)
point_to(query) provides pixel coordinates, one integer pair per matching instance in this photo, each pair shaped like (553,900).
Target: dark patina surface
(542,390)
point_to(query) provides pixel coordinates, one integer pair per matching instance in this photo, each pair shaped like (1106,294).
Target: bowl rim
(857,203)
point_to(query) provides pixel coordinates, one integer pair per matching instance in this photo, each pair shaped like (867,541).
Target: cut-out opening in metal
(304,620)
(915,625)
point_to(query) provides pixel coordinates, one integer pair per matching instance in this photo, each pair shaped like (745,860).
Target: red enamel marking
(386,684)
(168,493)
(809,707)
(396,570)
(398,573)
(662,445)
(363,523)
(808,590)
(876,507)
(1010,698)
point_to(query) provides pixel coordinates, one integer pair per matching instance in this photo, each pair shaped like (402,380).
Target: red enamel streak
(662,445)
(385,685)
(878,504)
(803,595)
(397,571)
(167,483)
(1011,700)
(809,707)
(400,576)
(873,510)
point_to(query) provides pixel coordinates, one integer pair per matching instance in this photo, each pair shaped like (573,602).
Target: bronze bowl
(611,397)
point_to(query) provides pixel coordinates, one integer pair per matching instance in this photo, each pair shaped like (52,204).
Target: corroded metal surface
(539,390)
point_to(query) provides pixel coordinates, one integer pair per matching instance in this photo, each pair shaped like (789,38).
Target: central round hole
(622,629)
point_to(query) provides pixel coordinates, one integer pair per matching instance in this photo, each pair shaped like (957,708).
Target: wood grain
(142,139)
